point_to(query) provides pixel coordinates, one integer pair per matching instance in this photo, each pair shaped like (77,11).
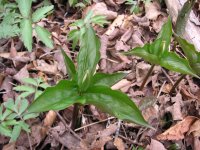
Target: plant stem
(176,84)
(75,116)
(146,78)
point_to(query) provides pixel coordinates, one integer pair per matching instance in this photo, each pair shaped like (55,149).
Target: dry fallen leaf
(101,9)
(23,73)
(119,144)
(152,10)
(195,128)
(155,145)
(177,131)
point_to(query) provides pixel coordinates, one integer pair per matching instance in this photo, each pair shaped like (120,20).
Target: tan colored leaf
(177,132)
(119,144)
(155,145)
(195,128)
(152,10)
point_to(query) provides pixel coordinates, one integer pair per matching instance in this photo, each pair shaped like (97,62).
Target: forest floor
(175,116)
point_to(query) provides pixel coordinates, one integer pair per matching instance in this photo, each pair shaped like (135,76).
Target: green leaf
(100,20)
(88,58)
(61,96)
(166,34)
(144,52)
(15,133)
(72,2)
(23,106)
(10,122)
(5,131)
(24,126)
(26,33)
(175,63)
(24,7)
(6,113)
(115,103)
(69,65)
(22,88)
(192,55)
(41,13)
(107,79)
(10,104)
(30,81)
(29,116)
(74,35)
(44,35)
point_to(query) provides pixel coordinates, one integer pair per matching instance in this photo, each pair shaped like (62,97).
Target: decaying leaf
(119,144)
(195,128)
(177,131)
(155,145)
(152,10)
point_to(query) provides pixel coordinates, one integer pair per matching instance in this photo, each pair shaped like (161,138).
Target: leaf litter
(174,117)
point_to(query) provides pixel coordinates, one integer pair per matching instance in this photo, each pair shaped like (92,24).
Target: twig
(65,124)
(94,123)
(176,83)
(118,128)
(161,89)
(168,77)
(131,141)
(146,77)
(29,141)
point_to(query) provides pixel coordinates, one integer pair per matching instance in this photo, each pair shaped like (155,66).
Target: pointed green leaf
(61,96)
(30,81)
(25,7)
(15,133)
(115,103)
(41,13)
(29,116)
(10,104)
(74,35)
(24,126)
(166,34)
(69,65)
(44,35)
(100,20)
(175,63)
(26,33)
(88,58)
(6,113)
(23,106)
(144,52)
(22,88)
(107,79)
(5,131)
(192,55)
(10,122)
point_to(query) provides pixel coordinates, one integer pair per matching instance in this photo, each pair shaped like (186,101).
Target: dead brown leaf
(119,144)
(155,145)
(177,131)
(152,10)
(41,65)
(195,128)
(23,73)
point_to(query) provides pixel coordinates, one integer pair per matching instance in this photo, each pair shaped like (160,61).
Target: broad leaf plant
(85,86)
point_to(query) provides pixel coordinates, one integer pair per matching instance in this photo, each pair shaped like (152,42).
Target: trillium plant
(158,53)
(85,86)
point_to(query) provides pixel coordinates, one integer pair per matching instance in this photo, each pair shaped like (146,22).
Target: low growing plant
(87,87)
(158,53)
(135,5)
(13,114)
(23,22)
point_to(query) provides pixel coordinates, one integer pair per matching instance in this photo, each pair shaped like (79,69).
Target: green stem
(75,116)
(176,83)
(146,78)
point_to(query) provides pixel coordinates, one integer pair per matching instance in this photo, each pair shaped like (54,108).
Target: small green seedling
(10,25)
(82,4)
(80,26)
(87,87)
(157,53)
(135,5)
(13,114)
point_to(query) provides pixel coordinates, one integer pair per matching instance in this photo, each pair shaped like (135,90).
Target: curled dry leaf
(48,121)
(101,9)
(23,73)
(195,128)
(141,71)
(121,84)
(41,65)
(155,145)
(152,10)
(177,132)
